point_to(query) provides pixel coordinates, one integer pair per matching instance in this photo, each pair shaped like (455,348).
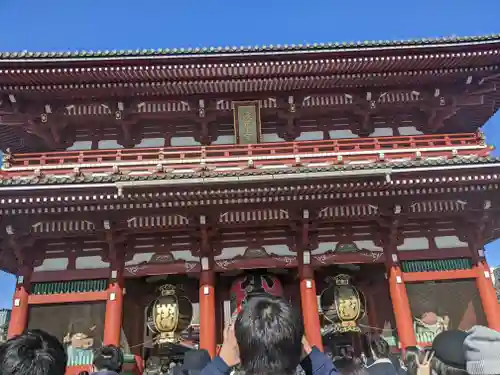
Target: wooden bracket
(290,131)
(475,230)
(204,236)
(390,225)
(44,131)
(18,245)
(116,245)
(443,105)
(124,113)
(306,223)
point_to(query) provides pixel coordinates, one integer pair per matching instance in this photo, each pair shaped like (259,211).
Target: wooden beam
(461,252)
(363,105)
(415,277)
(69,275)
(46,299)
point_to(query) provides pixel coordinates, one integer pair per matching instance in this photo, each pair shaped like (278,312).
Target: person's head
(34,352)
(108,358)
(482,351)
(379,347)
(449,359)
(350,366)
(269,333)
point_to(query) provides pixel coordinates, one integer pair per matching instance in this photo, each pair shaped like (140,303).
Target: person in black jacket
(267,338)
(382,363)
(108,360)
(194,361)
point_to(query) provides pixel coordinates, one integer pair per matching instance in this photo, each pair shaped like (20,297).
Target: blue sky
(124,24)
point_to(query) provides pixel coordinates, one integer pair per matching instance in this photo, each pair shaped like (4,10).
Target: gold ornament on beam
(169,314)
(343,304)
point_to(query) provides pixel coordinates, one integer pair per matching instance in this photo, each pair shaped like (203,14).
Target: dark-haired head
(449,358)
(439,367)
(350,366)
(34,352)
(379,347)
(269,332)
(108,358)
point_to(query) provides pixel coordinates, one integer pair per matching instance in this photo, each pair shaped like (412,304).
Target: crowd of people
(267,338)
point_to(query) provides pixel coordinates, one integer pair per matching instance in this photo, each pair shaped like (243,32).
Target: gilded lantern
(343,304)
(169,314)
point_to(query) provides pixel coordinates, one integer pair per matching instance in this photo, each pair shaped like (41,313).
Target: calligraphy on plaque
(247,122)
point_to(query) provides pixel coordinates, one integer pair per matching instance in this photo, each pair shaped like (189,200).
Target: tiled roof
(7,180)
(442,41)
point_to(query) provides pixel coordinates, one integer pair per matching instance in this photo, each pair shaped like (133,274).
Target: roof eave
(383,171)
(297,52)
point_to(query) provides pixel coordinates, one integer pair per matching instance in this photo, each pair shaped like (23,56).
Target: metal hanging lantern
(343,304)
(253,284)
(169,315)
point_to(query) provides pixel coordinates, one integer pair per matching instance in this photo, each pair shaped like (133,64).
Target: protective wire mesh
(80,326)
(443,305)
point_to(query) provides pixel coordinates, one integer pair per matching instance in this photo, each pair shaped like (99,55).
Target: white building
(495,279)
(4,324)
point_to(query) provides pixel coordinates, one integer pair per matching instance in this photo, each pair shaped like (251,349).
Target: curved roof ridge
(206,51)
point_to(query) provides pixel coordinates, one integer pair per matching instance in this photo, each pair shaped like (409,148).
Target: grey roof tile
(250,49)
(84,179)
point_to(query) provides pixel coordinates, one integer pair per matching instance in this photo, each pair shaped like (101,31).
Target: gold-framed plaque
(247,126)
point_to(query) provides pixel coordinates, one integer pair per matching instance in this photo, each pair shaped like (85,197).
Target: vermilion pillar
(20,308)
(488,295)
(401,306)
(114,310)
(309,302)
(207,312)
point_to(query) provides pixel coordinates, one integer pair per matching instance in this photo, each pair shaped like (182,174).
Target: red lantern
(253,284)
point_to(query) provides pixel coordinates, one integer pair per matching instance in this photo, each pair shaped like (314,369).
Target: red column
(309,301)
(488,295)
(20,308)
(401,306)
(207,312)
(114,311)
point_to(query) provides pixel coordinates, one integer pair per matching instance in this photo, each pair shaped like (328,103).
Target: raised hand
(230,352)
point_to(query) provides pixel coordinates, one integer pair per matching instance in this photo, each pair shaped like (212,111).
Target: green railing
(86,358)
(436,265)
(421,338)
(76,286)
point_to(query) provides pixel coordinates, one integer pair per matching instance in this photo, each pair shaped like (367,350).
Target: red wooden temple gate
(123,169)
